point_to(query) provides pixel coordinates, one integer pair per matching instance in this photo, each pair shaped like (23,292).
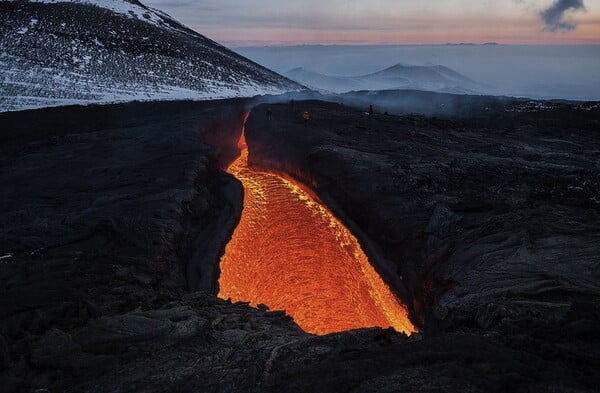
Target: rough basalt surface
(106,210)
(491,223)
(467,212)
(112,219)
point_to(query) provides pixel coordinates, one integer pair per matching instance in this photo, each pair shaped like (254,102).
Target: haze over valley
(548,72)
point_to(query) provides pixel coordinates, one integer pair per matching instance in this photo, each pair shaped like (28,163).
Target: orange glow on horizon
(505,31)
(291,253)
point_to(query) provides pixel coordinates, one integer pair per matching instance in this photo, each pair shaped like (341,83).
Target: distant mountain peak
(398,66)
(404,67)
(397,76)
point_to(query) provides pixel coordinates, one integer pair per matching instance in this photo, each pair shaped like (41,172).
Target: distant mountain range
(56,52)
(400,76)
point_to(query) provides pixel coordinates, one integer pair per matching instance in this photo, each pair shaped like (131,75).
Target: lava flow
(291,253)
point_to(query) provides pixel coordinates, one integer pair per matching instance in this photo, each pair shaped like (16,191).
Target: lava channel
(291,253)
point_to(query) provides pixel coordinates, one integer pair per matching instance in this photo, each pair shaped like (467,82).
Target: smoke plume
(554,16)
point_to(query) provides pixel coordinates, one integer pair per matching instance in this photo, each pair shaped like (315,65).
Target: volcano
(55,53)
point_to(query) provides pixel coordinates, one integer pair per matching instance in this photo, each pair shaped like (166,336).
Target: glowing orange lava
(291,253)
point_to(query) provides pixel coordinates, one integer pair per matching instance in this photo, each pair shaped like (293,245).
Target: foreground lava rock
(492,222)
(490,215)
(112,216)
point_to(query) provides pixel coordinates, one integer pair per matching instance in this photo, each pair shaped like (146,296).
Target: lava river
(291,253)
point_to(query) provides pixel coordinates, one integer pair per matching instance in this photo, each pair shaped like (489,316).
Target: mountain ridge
(398,76)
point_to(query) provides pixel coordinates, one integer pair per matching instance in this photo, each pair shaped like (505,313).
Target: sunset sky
(268,22)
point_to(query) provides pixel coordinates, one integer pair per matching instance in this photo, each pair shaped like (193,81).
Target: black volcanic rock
(114,216)
(102,214)
(500,215)
(492,224)
(92,51)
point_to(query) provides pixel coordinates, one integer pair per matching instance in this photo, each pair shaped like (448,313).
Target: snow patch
(5,258)
(130,10)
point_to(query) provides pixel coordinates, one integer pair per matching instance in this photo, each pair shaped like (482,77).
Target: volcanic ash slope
(55,53)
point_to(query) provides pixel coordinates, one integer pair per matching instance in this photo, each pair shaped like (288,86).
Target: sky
(276,22)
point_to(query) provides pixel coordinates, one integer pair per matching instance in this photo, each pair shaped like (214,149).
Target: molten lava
(290,253)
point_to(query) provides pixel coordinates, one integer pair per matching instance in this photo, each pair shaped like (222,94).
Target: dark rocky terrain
(490,205)
(474,107)
(56,53)
(491,221)
(113,218)
(103,212)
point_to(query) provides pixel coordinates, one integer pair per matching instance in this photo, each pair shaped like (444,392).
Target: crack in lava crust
(291,253)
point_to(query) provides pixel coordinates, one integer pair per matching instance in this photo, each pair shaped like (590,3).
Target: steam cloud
(554,16)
